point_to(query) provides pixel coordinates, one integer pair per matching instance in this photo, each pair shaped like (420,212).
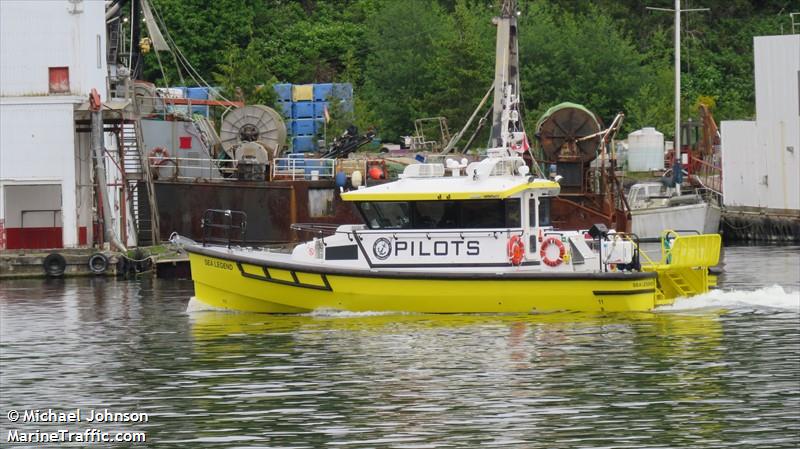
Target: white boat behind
(653,211)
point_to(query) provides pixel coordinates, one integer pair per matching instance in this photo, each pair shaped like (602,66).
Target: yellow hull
(241,286)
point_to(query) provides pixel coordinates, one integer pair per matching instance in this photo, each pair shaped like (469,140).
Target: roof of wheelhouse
(481,181)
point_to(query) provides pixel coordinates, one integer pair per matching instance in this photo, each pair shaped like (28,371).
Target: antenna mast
(676,145)
(506,69)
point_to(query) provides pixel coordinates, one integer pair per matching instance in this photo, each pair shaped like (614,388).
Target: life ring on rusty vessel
(158,155)
(561,251)
(54,265)
(516,250)
(98,263)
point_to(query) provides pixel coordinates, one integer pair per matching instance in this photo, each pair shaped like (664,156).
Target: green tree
(203,31)
(402,65)
(583,58)
(421,58)
(652,104)
(242,77)
(466,54)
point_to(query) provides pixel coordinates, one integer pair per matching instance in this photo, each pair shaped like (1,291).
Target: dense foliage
(421,58)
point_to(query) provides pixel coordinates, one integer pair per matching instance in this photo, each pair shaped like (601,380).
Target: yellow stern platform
(683,268)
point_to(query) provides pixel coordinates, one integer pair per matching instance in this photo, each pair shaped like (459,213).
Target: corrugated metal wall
(761,159)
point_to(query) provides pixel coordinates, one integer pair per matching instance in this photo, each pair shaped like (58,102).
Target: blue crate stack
(283,92)
(306,118)
(198,93)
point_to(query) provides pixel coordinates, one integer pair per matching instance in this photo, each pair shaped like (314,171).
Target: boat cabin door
(536,216)
(530,224)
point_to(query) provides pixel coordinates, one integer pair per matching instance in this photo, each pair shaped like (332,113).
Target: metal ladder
(679,284)
(138,175)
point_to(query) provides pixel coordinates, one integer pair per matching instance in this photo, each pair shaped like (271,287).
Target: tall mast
(677,11)
(506,68)
(677,140)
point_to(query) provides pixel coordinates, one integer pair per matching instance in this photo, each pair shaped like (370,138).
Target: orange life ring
(158,155)
(561,251)
(516,250)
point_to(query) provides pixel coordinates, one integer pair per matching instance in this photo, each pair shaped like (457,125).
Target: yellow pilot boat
(454,238)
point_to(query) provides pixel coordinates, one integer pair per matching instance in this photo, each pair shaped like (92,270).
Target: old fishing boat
(654,210)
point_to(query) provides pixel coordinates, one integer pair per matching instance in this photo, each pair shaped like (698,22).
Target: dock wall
(749,224)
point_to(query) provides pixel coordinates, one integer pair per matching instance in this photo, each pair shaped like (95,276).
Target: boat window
(513,213)
(386,214)
(483,214)
(544,211)
(435,214)
(471,214)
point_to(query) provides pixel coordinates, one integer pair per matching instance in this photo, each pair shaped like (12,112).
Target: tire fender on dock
(98,263)
(54,265)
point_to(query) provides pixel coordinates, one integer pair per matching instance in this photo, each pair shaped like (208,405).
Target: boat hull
(702,218)
(247,285)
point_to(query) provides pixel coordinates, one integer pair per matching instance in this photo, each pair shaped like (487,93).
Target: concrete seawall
(760,225)
(31,263)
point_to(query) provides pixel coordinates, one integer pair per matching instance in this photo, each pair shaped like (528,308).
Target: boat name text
(218,264)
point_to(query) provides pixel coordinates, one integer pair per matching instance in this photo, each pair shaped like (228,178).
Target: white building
(761,158)
(52,54)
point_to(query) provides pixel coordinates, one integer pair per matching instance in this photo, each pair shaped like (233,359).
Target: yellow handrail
(689,250)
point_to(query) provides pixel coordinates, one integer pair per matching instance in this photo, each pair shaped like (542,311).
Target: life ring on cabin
(98,263)
(54,265)
(158,155)
(561,251)
(516,250)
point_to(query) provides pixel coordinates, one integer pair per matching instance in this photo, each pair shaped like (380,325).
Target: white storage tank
(645,150)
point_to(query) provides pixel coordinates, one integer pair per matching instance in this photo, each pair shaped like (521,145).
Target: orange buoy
(375,172)
(561,251)
(516,250)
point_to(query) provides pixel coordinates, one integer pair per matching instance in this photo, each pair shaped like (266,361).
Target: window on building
(59,80)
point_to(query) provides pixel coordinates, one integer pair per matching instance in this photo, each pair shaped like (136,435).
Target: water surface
(717,371)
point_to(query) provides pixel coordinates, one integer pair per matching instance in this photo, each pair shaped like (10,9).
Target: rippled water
(717,371)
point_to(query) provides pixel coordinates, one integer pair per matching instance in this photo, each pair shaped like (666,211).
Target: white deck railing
(172,168)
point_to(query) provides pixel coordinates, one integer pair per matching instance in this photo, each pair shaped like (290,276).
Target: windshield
(469,214)
(386,215)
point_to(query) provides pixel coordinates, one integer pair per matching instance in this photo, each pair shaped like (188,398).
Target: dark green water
(722,370)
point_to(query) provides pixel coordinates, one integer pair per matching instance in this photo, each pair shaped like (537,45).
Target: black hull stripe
(330,271)
(296,283)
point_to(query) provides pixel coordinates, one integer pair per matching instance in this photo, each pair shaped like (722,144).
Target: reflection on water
(719,372)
